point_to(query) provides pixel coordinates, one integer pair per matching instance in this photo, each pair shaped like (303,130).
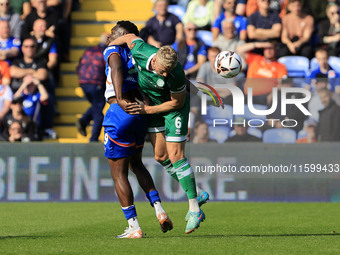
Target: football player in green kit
(162,79)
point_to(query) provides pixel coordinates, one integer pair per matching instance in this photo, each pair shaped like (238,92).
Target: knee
(161,157)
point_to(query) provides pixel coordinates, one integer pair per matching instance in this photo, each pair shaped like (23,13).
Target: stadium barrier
(229,172)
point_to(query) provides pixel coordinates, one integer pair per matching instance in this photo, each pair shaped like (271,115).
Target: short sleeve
(203,51)
(8,95)
(244,24)
(111,50)
(5,71)
(218,22)
(252,19)
(276,18)
(53,48)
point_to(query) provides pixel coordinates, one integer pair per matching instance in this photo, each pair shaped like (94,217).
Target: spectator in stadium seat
(325,71)
(228,40)
(46,46)
(309,127)
(40,11)
(200,13)
(275,5)
(329,121)
(91,75)
(17,114)
(297,29)
(34,95)
(15,133)
(192,53)
(9,46)
(13,19)
(201,133)
(240,22)
(241,129)
(6,97)
(22,7)
(264,24)
(266,69)
(28,65)
(329,30)
(163,29)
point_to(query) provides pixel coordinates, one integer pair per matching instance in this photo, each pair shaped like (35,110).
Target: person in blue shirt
(9,46)
(34,95)
(240,22)
(124,133)
(324,70)
(192,53)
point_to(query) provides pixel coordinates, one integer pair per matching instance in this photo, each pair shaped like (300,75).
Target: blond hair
(167,57)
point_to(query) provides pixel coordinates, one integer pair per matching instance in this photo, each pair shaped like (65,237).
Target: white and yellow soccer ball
(228,64)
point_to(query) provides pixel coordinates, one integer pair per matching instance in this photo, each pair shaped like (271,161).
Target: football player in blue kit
(125,133)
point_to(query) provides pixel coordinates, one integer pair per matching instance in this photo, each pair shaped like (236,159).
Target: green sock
(186,177)
(170,169)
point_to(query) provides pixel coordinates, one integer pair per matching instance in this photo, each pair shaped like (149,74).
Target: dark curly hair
(128,26)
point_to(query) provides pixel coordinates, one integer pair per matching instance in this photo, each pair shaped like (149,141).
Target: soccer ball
(228,64)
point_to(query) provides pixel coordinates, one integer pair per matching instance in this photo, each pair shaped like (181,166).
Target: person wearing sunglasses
(329,30)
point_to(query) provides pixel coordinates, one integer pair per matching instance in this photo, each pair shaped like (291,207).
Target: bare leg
(119,173)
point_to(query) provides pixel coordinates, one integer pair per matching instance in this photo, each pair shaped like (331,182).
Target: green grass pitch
(230,228)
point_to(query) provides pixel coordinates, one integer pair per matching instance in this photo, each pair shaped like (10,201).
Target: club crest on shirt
(132,45)
(160,83)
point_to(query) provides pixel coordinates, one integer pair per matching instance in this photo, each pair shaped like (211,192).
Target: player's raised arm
(127,38)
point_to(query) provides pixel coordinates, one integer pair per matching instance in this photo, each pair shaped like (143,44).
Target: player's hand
(134,108)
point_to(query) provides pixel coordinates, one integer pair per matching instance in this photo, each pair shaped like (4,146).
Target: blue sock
(153,197)
(130,212)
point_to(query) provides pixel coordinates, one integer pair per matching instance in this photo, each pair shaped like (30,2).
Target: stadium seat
(178,10)
(314,64)
(214,112)
(334,62)
(220,133)
(279,135)
(255,132)
(297,66)
(205,36)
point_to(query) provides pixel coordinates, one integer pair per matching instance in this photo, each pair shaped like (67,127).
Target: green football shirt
(158,88)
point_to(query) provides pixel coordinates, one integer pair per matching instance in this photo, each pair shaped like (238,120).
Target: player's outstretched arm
(128,39)
(176,102)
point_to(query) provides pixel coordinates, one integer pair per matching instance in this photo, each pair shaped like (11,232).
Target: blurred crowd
(34,39)
(283,43)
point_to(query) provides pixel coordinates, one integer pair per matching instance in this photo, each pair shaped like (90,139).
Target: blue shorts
(124,134)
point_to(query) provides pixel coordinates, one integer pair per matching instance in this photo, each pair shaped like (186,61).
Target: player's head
(121,28)
(165,60)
